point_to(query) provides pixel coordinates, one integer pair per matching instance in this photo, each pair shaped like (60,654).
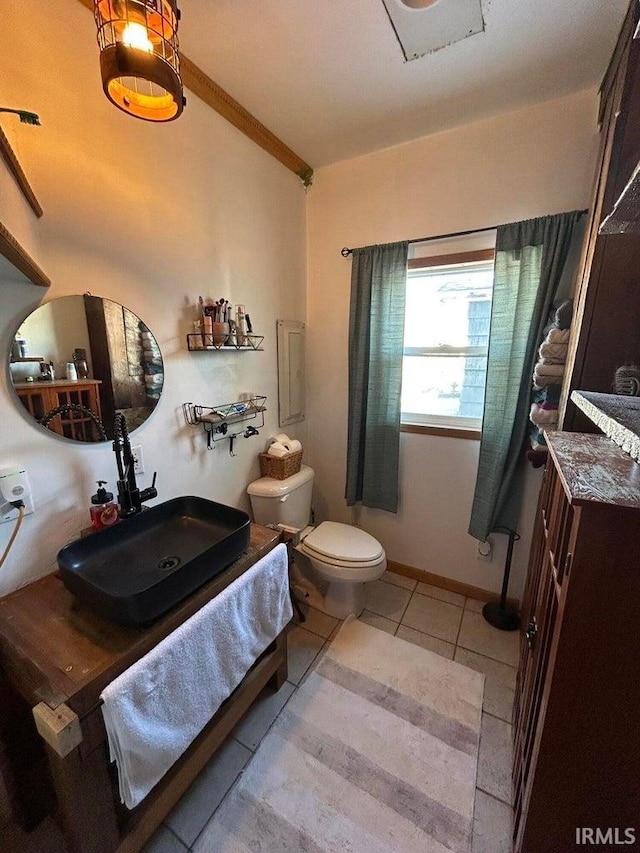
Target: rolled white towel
(553,353)
(543,368)
(547,374)
(558,336)
(277,449)
(293,445)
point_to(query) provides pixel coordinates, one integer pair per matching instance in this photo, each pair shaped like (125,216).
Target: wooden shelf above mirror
(13,164)
(20,259)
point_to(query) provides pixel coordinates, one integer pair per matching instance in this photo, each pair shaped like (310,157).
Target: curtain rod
(346,252)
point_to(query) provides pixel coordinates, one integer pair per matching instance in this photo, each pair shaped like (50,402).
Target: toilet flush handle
(283,498)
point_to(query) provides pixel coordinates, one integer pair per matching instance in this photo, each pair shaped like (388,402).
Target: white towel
(547,374)
(553,353)
(558,336)
(154,710)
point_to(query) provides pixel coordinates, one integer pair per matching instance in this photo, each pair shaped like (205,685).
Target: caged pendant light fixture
(139,59)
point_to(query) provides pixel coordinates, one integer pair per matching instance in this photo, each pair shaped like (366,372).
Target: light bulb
(135,35)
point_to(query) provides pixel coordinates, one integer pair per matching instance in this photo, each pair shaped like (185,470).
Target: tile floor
(444,622)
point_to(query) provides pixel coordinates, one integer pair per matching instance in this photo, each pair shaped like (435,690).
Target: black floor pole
(498,613)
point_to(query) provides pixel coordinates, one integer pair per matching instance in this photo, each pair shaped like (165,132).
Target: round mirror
(77,361)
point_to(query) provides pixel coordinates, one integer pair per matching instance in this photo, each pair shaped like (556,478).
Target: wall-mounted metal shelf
(200,342)
(220,422)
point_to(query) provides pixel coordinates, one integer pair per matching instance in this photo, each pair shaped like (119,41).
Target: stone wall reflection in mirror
(111,352)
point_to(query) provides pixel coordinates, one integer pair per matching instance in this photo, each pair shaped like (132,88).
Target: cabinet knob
(530,633)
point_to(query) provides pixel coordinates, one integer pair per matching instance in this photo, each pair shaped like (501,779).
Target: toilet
(335,559)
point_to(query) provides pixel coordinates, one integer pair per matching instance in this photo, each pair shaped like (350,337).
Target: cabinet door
(75,424)
(40,400)
(540,630)
(539,627)
(34,401)
(560,529)
(291,372)
(536,556)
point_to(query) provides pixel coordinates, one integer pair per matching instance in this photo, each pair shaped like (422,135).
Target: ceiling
(329,78)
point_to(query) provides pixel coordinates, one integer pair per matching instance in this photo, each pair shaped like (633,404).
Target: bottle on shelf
(18,347)
(80,361)
(242,326)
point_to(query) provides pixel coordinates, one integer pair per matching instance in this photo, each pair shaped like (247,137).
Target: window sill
(442,431)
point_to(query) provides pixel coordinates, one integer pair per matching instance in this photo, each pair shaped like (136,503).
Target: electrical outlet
(485,551)
(138,459)
(9,513)
(14,486)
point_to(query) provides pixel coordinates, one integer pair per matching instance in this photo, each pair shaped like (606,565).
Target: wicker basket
(280,467)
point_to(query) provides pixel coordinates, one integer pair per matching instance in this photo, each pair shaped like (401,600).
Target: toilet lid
(343,542)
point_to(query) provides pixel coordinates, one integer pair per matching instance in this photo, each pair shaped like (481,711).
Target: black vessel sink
(138,569)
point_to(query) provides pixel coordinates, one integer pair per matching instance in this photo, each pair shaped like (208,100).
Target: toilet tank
(285,501)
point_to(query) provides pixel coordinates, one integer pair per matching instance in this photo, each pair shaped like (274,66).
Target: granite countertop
(617,415)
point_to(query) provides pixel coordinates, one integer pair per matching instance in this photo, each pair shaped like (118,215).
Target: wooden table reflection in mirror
(76,361)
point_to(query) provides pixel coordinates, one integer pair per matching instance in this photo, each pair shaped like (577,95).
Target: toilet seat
(342,545)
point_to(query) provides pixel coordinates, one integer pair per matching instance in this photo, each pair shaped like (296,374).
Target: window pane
(452,386)
(447,307)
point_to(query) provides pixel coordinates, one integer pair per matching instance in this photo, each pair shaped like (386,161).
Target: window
(446,337)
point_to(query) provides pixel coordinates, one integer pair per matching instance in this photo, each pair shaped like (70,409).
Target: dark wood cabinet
(576,731)
(577,737)
(38,398)
(605,330)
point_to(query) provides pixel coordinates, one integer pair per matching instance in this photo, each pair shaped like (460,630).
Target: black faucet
(130,497)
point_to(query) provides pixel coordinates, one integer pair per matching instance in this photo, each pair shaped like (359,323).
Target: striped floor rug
(376,752)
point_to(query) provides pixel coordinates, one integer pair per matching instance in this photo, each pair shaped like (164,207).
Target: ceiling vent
(424,26)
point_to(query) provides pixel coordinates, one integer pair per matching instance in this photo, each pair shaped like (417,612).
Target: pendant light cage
(139,57)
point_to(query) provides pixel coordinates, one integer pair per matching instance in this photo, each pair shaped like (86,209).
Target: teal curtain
(530,260)
(376,342)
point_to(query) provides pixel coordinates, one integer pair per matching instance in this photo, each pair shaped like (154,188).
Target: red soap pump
(103,510)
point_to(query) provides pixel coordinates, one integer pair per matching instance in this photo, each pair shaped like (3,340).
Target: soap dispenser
(103,510)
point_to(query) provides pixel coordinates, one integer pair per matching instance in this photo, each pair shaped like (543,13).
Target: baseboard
(465,589)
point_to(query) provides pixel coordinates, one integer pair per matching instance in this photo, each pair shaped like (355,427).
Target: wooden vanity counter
(57,651)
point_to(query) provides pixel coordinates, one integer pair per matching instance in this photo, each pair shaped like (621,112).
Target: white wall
(151,216)
(519,165)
